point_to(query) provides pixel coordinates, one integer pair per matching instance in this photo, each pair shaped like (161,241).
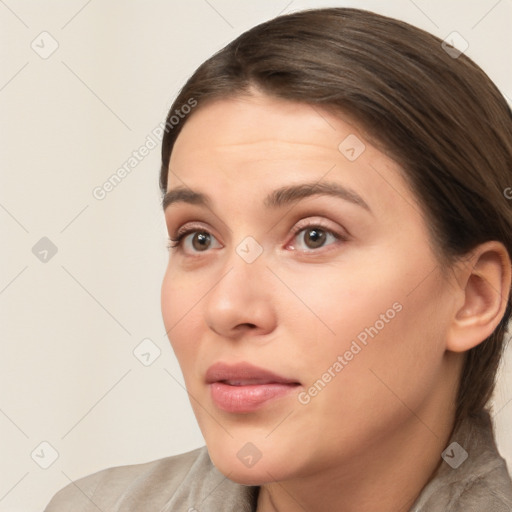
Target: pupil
(316,237)
(201,241)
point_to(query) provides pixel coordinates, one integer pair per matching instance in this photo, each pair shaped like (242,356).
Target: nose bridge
(249,250)
(241,295)
(245,267)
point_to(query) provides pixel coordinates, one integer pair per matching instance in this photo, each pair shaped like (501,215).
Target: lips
(243,374)
(243,388)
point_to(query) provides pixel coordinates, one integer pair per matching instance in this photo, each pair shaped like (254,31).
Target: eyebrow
(276,199)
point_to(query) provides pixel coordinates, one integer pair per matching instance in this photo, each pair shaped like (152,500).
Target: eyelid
(189,227)
(177,238)
(340,233)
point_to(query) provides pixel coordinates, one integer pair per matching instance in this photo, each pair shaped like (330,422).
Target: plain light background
(70,324)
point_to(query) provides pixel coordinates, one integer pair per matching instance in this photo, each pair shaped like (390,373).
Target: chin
(244,466)
(243,475)
(247,478)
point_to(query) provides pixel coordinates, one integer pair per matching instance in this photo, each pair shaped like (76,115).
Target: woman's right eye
(193,240)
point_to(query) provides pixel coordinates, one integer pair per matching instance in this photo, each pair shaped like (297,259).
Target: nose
(241,303)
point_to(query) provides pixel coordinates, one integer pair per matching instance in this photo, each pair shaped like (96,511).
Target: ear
(484,279)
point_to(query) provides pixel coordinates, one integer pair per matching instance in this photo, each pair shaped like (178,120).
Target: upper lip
(244,373)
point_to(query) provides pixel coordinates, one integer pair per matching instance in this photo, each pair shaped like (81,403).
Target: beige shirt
(190,483)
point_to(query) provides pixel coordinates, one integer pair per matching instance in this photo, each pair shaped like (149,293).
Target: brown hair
(440,117)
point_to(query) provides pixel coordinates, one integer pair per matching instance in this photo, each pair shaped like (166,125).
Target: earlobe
(485,279)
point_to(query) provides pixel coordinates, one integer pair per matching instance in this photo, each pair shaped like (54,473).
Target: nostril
(251,326)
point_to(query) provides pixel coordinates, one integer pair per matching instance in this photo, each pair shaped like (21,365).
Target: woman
(339,276)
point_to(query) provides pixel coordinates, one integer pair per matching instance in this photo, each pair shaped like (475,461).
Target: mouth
(244,388)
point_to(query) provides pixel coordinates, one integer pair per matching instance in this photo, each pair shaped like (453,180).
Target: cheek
(386,350)
(330,307)
(180,301)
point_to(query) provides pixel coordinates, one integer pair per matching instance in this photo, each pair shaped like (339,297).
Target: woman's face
(306,257)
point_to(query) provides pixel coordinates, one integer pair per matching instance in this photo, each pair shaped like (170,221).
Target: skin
(372,437)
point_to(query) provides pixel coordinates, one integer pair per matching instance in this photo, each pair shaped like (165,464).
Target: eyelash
(176,242)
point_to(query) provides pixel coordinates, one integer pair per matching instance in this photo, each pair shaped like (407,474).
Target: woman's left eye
(313,237)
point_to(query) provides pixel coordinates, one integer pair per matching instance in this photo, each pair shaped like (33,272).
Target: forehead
(256,143)
(258,119)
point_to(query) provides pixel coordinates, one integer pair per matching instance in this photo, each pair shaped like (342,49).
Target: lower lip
(247,398)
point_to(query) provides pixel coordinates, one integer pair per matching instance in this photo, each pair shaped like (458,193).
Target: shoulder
(489,488)
(152,483)
(475,479)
